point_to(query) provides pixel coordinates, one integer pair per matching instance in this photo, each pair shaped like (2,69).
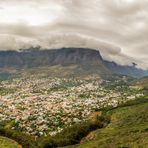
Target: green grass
(4,91)
(128,128)
(7,143)
(142,82)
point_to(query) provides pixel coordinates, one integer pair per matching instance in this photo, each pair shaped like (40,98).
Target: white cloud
(118,28)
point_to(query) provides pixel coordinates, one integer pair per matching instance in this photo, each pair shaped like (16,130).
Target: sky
(117,28)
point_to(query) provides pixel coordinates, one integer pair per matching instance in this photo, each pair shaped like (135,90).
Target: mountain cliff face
(86,58)
(36,57)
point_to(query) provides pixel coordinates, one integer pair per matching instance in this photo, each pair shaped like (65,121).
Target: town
(41,106)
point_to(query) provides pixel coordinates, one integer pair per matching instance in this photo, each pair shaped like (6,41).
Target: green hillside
(128,128)
(124,125)
(143,82)
(7,143)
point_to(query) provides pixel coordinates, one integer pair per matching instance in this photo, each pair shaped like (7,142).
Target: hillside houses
(47,105)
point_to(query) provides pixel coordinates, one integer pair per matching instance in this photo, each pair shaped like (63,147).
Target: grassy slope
(143,82)
(7,143)
(128,128)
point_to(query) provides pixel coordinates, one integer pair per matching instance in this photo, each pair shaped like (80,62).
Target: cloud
(118,28)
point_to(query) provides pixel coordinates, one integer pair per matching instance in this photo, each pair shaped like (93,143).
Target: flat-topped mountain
(36,57)
(84,57)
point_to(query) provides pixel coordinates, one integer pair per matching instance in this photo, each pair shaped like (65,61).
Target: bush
(25,140)
(75,133)
(69,136)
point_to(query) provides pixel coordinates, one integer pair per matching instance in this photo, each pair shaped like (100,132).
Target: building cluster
(48,105)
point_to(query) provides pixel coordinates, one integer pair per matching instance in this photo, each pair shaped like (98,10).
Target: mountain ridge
(85,57)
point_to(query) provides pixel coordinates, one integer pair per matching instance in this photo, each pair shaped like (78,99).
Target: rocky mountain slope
(88,59)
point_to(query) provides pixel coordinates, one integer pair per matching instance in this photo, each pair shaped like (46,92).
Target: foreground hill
(85,59)
(128,128)
(8,143)
(143,82)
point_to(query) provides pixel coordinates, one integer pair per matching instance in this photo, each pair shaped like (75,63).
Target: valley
(41,105)
(72,104)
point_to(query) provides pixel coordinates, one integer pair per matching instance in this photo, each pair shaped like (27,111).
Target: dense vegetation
(8,143)
(75,133)
(23,139)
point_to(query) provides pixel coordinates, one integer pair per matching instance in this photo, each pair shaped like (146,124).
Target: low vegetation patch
(75,133)
(8,143)
(68,136)
(23,139)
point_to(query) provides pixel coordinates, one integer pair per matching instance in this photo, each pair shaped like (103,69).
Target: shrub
(75,133)
(25,140)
